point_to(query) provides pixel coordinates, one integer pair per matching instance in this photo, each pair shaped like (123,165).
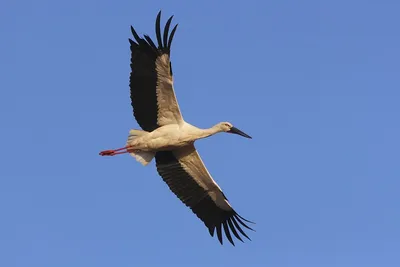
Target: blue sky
(316,84)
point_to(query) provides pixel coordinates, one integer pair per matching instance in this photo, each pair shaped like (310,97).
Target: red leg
(113,152)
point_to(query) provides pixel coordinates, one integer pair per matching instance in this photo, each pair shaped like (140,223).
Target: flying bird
(168,138)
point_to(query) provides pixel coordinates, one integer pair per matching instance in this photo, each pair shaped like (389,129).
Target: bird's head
(228,128)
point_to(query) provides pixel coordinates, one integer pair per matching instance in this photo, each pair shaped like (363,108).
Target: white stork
(168,138)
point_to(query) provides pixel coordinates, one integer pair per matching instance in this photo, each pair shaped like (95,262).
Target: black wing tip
(135,35)
(211,230)
(236,214)
(151,43)
(227,233)
(238,218)
(164,42)
(171,36)
(237,226)
(219,234)
(158,29)
(231,225)
(166,31)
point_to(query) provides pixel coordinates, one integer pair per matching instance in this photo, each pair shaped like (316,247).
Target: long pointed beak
(235,130)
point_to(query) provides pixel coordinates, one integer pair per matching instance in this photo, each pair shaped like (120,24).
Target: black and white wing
(151,82)
(187,177)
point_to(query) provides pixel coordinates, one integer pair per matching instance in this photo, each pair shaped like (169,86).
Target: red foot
(107,153)
(113,152)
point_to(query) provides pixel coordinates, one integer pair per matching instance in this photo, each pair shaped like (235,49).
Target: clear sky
(316,83)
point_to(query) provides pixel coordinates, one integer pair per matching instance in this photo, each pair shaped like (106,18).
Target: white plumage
(170,140)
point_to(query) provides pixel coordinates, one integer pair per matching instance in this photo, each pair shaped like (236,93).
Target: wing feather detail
(187,177)
(151,83)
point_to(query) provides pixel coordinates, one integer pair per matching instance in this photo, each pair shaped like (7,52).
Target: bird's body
(171,136)
(166,136)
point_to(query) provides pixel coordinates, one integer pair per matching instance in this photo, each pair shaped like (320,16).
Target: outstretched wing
(151,83)
(187,177)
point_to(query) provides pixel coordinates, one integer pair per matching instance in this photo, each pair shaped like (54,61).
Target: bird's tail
(135,133)
(144,157)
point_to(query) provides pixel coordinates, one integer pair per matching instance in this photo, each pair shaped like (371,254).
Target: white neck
(203,133)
